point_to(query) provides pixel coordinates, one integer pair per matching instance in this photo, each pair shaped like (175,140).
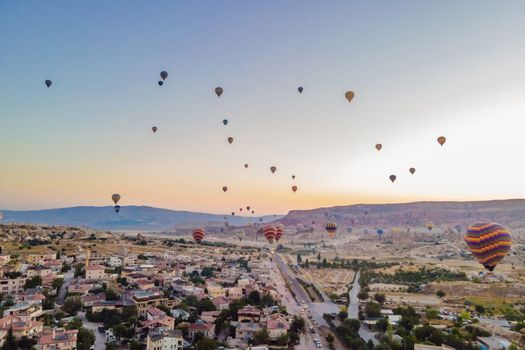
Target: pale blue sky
(419,69)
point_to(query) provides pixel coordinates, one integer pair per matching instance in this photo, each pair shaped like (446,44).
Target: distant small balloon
(160,82)
(117,208)
(248,208)
(273,169)
(441,140)
(230,140)
(48,83)
(293,177)
(379,146)
(240,209)
(115,197)
(300,89)
(294,188)
(393,178)
(163,75)
(246,166)
(154,129)
(412,170)
(253,211)
(224,188)
(349,95)
(218,91)
(233,213)
(225,121)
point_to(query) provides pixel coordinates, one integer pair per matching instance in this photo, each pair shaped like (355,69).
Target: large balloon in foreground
(349,95)
(218,91)
(224,188)
(379,146)
(392,178)
(273,169)
(198,235)
(163,75)
(48,83)
(441,140)
(331,229)
(269,233)
(489,243)
(154,129)
(300,89)
(294,188)
(412,170)
(230,140)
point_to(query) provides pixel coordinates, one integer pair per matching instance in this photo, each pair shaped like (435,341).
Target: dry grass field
(330,280)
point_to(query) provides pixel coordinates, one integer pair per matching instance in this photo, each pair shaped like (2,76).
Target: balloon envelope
(246,166)
(198,235)
(489,243)
(273,169)
(48,83)
(349,95)
(117,208)
(412,170)
(230,140)
(160,82)
(379,146)
(154,129)
(225,121)
(294,188)
(163,75)
(300,89)
(218,91)
(441,140)
(224,188)
(331,229)
(115,197)
(392,178)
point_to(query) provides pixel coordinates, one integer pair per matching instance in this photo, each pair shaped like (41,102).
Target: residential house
(58,339)
(164,340)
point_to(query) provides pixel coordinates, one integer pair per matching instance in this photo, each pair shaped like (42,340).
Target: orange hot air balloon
(218,91)
(198,235)
(279,231)
(224,188)
(294,188)
(441,140)
(379,146)
(273,169)
(349,95)
(489,243)
(154,129)
(412,170)
(269,233)
(230,140)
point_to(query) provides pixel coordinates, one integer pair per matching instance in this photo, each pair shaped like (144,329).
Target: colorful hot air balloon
(160,82)
(163,75)
(279,231)
(224,188)
(349,95)
(225,121)
(349,229)
(198,235)
(230,140)
(48,83)
(273,169)
(429,226)
(392,178)
(300,89)
(441,140)
(241,234)
(294,188)
(218,91)
(489,243)
(269,233)
(379,146)
(331,229)
(154,129)
(412,170)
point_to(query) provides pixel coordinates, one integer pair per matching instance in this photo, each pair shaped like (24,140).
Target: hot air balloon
(241,234)
(230,140)
(163,75)
(293,177)
(349,95)
(331,229)
(218,91)
(269,233)
(198,235)
(225,121)
(300,89)
(278,232)
(160,82)
(294,188)
(429,226)
(253,211)
(233,213)
(117,208)
(224,188)
(379,146)
(489,243)
(116,198)
(154,129)
(245,166)
(380,232)
(260,219)
(412,170)
(441,140)
(458,228)
(248,208)
(349,229)
(48,83)
(392,178)
(273,169)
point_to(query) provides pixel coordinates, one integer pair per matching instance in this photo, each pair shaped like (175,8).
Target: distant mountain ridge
(129,218)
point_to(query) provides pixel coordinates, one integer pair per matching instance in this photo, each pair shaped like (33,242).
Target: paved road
(68,278)
(100,339)
(297,289)
(353,310)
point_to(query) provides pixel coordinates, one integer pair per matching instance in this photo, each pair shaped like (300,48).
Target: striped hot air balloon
(269,233)
(331,229)
(489,243)
(198,235)
(278,232)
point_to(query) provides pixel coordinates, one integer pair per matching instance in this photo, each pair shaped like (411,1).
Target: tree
(57,283)
(363,294)
(307,264)
(33,282)
(373,310)
(254,297)
(431,314)
(380,298)
(26,344)
(330,338)
(79,271)
(325,263)
(10,341)
(85,339)
(111,294)
(75,323)
(261,337)
(72,305)
(440,293)
(208,272)
(319,257)
(207,344)
(299,258)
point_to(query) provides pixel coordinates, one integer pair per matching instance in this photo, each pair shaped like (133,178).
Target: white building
(164,340)
(114,261)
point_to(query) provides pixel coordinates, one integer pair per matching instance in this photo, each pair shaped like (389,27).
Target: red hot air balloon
(278,232)
(269,233)
(198,235)
(489,243)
